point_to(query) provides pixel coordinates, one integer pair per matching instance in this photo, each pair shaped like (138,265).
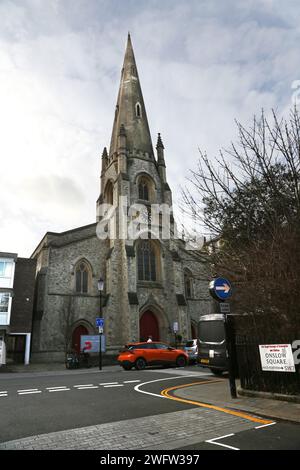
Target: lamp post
(100,289)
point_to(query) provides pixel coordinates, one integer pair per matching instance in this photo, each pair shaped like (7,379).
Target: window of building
(5,307)
(143,190)
(6,273)
(82,278)
(188,284)
(146,258)
(138,110)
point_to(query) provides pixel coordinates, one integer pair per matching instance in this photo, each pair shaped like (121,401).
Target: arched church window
(147,261)
(188,284)
(143,190)
(82,278)
(109,193)
(138,110)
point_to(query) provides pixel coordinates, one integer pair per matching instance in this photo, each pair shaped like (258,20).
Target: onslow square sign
(277,357)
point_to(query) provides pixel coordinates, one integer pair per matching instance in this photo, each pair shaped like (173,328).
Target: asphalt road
(41,404)
(35,404)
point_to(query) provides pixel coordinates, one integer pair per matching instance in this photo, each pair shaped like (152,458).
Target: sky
(202,64)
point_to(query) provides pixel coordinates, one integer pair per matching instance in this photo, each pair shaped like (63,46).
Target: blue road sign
(100,322)
(220,288)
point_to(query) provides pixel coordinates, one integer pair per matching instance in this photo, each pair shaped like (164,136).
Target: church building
(153,284)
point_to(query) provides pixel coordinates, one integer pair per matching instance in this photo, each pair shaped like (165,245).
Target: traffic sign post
(100,325)
(221,290)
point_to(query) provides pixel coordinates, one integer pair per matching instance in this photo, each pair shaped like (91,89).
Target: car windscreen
(211,331)
(189,344)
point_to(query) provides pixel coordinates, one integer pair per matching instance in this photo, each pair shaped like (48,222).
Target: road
(116,409)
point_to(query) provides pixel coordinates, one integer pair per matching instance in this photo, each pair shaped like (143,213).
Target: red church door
(80,330)
(149,326)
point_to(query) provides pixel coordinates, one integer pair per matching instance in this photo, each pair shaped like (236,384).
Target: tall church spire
(130,109)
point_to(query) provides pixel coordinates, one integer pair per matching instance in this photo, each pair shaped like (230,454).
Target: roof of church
(130,109)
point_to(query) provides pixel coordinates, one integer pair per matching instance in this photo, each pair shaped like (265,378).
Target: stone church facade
(150,281)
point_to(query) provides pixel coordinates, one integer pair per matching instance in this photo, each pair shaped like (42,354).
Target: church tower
(136,274)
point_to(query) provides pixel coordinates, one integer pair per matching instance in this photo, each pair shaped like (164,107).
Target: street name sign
(277,357)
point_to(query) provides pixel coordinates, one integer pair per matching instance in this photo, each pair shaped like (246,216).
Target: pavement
(217,393)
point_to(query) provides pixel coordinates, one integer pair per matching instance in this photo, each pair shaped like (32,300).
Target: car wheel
(140,363)
(181,361)
(127,367)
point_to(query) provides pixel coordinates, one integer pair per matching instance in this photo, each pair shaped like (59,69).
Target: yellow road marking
(240,414)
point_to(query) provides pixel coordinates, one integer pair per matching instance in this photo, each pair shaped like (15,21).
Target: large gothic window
(82,278)
(143,190)
(147,262)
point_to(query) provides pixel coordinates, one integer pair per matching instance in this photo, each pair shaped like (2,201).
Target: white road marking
(87,387)
(213,441)
(29,393)
(265,425)
(137,387)
(56,388)
(110,386)
(3,394)
(83,385)
(59,390)
(130,381)
(109,383)
(28,390)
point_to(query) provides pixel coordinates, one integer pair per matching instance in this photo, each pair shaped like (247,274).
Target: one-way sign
(220,288)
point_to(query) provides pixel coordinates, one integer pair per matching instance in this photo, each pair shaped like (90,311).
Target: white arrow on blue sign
(220,288)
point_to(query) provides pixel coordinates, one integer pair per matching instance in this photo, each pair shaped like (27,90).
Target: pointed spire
(130,109)
(159,143)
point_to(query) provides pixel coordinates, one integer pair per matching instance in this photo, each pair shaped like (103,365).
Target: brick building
(17,282)
(151,281)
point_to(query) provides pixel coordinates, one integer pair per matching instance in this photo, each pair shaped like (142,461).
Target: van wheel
(181,361)
(140,363)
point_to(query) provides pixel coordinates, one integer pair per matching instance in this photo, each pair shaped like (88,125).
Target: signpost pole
(100,350)
(229,339)
(101,321)
(221,290)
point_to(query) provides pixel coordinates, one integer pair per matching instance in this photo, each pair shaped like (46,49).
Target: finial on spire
(104,153)
(159,142)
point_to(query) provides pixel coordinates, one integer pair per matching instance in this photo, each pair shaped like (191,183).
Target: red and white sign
(277,357)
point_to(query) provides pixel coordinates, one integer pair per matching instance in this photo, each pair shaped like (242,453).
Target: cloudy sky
(202,64)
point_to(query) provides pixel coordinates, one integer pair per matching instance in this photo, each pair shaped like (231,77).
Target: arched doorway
(79,330)
(149,326)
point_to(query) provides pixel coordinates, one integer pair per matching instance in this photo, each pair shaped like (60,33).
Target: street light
(100,289)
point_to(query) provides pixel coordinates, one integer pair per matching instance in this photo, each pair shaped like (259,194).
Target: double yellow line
(240,414)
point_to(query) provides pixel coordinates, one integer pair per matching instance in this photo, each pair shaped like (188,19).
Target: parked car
(141,355)
(191,348)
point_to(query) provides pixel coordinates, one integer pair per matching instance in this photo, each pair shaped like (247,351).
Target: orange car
(140,355)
